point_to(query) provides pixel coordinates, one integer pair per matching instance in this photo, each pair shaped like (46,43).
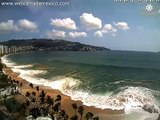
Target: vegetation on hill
(52,45)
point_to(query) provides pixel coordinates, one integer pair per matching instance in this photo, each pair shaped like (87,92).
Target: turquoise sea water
(111,79)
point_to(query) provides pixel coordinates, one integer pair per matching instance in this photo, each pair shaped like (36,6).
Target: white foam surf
(129,99)
(24,66)
(132,100)
(135,101)
(7,62)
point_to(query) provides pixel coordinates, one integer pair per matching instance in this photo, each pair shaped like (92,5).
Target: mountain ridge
(53,45)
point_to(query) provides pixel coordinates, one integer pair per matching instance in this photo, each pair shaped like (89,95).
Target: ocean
(107,79)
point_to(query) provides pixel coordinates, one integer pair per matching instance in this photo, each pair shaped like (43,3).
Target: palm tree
(42,96)
(56,107)
(31,85)
(33,100)
(63,114)
(27,102)
(37,88)
(27,94)
(14,81)
(21,84)
(1,66)
(34,94)
(50,101)
(89,115)
(17,82)
(66,117)
(35,112)
(74,106)
(81,111)
(58,99)
(96,118)
(75,117)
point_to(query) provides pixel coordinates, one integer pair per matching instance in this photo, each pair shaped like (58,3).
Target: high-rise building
(1,49)
(9,50)
(5,50)
(13,49)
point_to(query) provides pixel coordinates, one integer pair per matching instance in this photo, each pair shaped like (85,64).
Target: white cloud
(90,22)
(56,33)
(108,28)
(22,24)
(66,23)
(113,34)
(25,24)
(159,11)
(77,34)
(122,25)
(8,26)
(98,34)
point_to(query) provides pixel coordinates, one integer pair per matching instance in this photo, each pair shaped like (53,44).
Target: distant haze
(118,26)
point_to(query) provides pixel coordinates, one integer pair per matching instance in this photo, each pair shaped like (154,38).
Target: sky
(115,24)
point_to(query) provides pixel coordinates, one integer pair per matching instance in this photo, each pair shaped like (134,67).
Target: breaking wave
(127,98)
(23,66)
(7,62)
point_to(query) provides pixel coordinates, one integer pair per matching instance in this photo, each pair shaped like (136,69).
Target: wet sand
(66,101)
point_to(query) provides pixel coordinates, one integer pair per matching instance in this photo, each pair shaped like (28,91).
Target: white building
(1,49)
(5,49)
(13,49)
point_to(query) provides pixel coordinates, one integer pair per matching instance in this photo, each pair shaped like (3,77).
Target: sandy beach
(66,101)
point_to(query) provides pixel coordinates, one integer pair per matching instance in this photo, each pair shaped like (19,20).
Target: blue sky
(115,25)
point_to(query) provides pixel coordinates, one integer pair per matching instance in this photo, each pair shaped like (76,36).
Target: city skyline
(115,25)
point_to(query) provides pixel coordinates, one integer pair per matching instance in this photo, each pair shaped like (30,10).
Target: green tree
(34,94)
(17,82)
(81,111)
(63,115)
(50,101)
(27,102)
(89,115)
(37,88)
(27,94)
(1,66)
(74,106)
(58,99)
(42,96)
(31,85)
(75,117)
(21,84)
(96,118)
(56,107)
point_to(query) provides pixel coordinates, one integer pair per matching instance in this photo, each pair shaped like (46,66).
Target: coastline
(66,101)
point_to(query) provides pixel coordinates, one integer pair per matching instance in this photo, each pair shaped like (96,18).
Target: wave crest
(24,66)
(128,98)
(7,62)
(64,84)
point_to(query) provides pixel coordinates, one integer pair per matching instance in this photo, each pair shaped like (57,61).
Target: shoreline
(66,101)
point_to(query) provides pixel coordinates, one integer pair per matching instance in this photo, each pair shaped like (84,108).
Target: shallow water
(110,79)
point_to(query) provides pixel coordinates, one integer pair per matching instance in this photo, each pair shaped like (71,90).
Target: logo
(149,7)
(150,10)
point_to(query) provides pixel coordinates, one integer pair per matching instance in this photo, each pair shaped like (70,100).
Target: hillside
(52,45)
